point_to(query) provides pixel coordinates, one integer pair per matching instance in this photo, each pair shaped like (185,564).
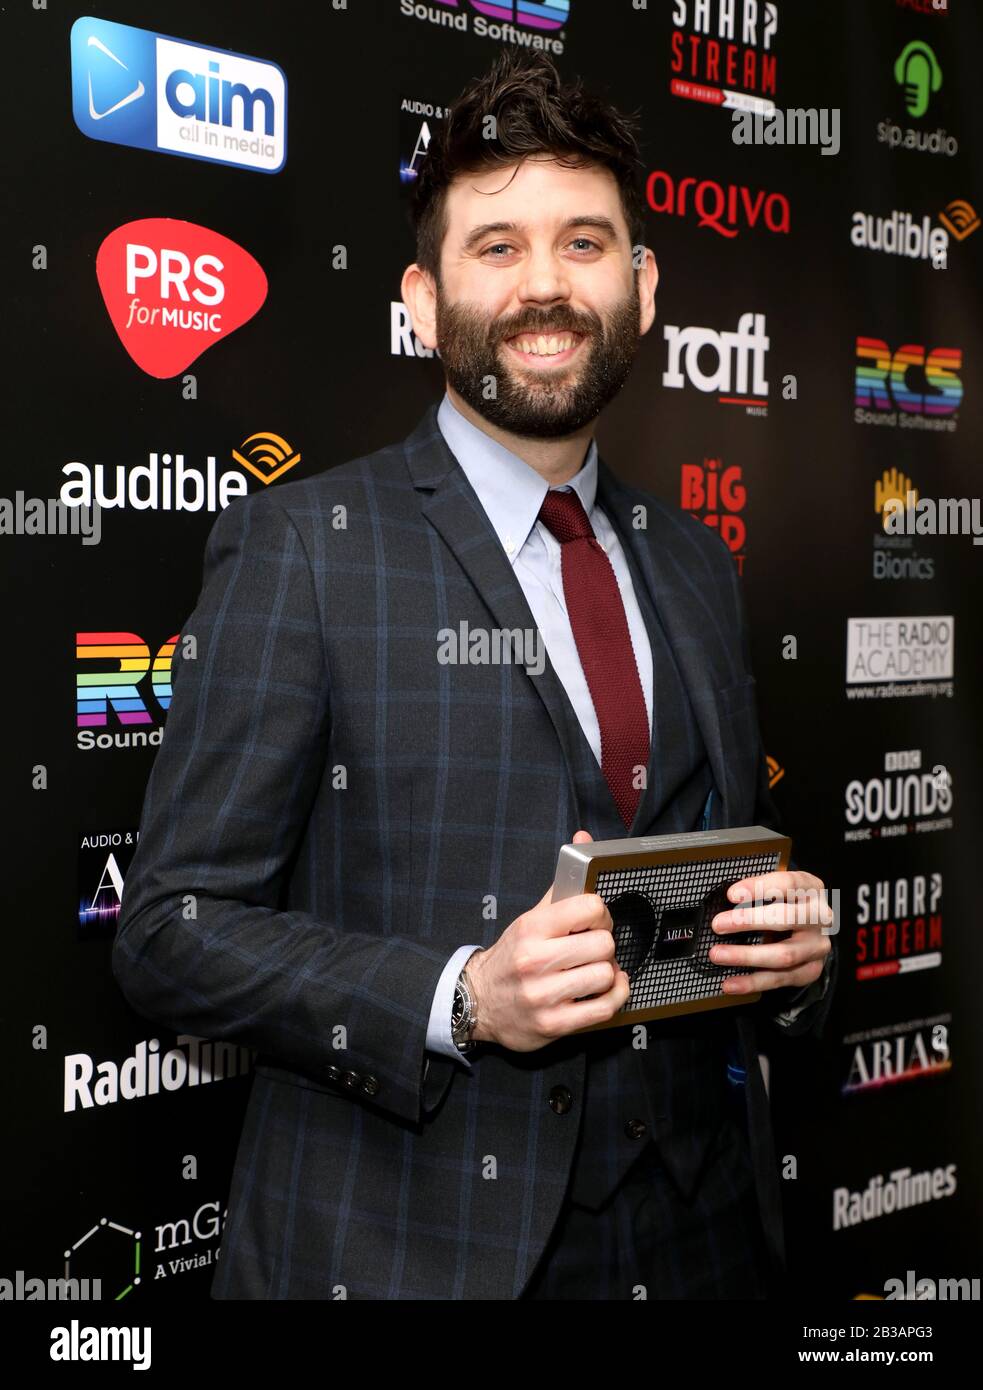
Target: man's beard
(528,402)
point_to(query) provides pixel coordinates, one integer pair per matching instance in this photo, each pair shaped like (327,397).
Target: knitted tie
(600,629)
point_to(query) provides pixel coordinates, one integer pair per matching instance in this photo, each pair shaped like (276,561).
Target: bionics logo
(173,289)
(738,374)
(134,87)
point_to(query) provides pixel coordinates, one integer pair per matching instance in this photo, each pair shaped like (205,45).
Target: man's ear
(420,297)
(647,277)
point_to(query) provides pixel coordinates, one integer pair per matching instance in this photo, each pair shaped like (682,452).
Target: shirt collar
(510,491)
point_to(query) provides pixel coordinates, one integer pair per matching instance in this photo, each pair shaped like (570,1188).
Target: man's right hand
(526,985)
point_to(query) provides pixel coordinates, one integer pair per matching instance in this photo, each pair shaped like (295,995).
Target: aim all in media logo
(153,92)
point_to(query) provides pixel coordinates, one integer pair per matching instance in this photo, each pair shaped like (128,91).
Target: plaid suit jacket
(342,810)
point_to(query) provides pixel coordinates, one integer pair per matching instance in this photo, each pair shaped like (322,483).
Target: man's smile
(539,350)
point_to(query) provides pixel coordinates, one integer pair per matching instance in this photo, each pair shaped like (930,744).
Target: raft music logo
(134,87)
(908,387)
(721,53)
(897,1052)
(907,798)
(526,23)
(717,496)
(104,857)
(894,556)
(173,289)
(898,926)
(738,371)
(111,680)
(726,211)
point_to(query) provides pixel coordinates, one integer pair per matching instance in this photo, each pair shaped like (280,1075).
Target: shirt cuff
(440,1036)
(808,995)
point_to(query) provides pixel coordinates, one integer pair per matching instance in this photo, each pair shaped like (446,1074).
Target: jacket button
(334,1073)
(370,1085)
(635,1129)
(350,1080)
(560,1100)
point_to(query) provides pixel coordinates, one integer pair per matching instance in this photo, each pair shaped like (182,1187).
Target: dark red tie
(600,629)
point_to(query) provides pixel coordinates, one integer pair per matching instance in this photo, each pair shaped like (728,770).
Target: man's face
(539,311)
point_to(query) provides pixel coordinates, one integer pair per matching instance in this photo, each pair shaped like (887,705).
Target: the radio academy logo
(134,87)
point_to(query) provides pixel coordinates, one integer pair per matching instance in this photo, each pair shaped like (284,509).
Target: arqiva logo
(173,289)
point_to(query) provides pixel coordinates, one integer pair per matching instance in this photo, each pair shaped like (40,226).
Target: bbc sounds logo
(154,92)
(173,289)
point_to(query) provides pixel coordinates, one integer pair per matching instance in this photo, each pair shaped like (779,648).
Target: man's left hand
(792,902)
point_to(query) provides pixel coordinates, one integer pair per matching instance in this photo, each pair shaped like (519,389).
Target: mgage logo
(134,87)
(173,289)
(883,379)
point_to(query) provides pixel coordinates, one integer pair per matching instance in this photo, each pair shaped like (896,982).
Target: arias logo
(878,1057)
(899,926)
(716,496)
(104,857)
(173,289)
(721,53)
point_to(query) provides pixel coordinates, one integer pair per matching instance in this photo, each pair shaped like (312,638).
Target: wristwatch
(463,1017)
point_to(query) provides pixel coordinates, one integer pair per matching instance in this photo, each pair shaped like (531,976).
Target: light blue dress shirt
(511,493)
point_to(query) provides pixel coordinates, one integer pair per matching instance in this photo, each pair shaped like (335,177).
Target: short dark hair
(536,113)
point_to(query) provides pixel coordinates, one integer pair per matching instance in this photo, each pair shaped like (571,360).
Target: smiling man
(364,828)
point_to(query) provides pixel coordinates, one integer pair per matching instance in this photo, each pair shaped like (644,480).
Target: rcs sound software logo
(154,92)
(888,392)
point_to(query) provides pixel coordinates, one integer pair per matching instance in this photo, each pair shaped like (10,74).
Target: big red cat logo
(173,289)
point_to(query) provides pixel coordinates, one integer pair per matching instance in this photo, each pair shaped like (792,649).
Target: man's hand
(526,985)
(794,903)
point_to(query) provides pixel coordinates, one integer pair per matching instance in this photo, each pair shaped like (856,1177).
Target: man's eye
(498,246)
(587,243)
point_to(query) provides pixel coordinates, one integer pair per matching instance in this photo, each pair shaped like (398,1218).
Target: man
(349,822)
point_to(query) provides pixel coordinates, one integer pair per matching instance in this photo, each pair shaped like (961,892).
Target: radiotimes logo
(173,289)
(721,53)
(717,496)
(738,371)
(898,926)
(148,1072)
(104,857)
(114,673)
(901,1190)
(907,799)
(724,211)
(154,92)
(910,386)
(526,23)
(895,557)
(896,1052)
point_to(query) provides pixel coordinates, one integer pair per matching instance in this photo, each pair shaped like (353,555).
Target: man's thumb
(581,837)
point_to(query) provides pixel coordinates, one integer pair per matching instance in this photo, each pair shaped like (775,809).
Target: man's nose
(543,278)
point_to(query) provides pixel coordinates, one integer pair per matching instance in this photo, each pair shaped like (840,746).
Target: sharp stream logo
(134,87)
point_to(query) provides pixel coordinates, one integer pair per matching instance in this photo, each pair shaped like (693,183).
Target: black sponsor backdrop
(315,365)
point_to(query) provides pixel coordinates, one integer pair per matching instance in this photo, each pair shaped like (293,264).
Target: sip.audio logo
(173,289)
(134,87)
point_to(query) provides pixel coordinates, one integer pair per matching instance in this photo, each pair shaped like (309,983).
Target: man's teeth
(543,346)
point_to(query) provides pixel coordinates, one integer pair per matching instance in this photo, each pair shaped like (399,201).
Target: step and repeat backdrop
(207,229)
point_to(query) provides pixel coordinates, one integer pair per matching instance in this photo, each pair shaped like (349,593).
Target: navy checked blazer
(341,811)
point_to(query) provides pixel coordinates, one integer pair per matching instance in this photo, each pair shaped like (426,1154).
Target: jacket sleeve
(205,946)
(793,1010)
